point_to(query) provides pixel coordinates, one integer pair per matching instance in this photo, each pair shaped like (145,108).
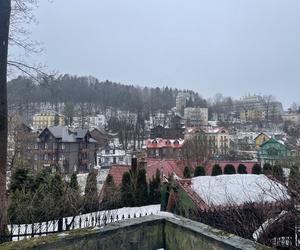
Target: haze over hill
(227,46)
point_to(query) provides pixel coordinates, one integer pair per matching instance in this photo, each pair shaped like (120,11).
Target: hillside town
(184,158)
(149,125)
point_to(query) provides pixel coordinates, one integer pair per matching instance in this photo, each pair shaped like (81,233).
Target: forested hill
(74,89)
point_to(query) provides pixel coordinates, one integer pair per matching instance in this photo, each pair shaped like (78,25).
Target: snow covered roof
(238,189)
(68,134)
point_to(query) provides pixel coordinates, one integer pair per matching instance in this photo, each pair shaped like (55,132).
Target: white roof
(238,189)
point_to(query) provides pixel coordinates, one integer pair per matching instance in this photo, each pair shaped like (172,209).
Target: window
(46,145)
(54,145)
(35,157)
(36,146)
(62,146)
(62,158)
(46,157)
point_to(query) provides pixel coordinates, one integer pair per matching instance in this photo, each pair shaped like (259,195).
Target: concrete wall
(149,233)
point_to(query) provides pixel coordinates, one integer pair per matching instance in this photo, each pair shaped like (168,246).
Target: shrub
(256,169)
(199,171)
(242,169)
(216,170)
(267,170)
(229,169)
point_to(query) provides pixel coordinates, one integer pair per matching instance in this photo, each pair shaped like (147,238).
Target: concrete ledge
(149,232)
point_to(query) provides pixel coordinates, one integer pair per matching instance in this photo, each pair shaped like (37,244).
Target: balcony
(151,232)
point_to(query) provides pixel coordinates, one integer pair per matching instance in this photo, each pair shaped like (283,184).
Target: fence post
(80,221)
(11,232)
(60,225)
(66,225)
(32,230)
(47,224)
(40,226)
(26,231)
(19,231)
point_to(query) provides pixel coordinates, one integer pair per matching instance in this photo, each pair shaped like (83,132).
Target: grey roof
(68,134)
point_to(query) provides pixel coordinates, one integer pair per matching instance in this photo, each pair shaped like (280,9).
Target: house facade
(260,139)
(196,117)
(63,149)
(215,138)
(111,155)
(164,148)
(47,119)
(274,152)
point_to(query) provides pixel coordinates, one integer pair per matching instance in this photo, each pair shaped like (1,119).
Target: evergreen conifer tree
(186,172)
(242,169)
(199,171)
(91,202)
(256,169)
(229,169)
(216,170)
(142,188)
(126,191)
(74,182)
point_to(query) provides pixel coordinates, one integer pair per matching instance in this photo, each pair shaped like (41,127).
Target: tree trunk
(4,30)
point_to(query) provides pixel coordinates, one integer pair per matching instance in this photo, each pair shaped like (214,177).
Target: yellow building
(260,139)
(50,119)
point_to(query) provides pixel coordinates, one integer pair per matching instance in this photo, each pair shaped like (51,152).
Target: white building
(112,155)
(195,117)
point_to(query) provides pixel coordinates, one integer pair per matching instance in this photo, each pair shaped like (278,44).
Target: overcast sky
(232,47)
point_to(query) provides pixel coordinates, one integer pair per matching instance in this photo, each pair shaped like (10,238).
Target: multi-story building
(164,148)
(291,117)
(110,155)
(215,139)
(47,119)
(63,149)
(256,108)
(196,117)
(181,101)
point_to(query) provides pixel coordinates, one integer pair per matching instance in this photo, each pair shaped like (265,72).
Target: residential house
(274,152)
(164,148)
(100,136)
(260,139)
(216,138)
(110,154)
(64,149)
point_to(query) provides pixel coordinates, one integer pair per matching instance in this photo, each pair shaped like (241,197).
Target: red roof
(167,167)
(222,164)
(164,143)
(117,171)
